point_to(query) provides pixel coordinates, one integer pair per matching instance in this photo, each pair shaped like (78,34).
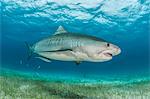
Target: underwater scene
(74,49)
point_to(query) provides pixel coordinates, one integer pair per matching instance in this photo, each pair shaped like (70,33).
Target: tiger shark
(67,46)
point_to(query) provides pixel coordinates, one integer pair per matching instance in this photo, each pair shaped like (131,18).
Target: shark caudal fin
(30,50)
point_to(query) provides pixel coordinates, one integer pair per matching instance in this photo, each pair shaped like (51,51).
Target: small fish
(39,67)
(21,62)
(66,46)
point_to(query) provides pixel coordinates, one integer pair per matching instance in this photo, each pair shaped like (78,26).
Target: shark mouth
(108,54)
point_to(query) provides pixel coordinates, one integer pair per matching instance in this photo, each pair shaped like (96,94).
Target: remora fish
(67,46)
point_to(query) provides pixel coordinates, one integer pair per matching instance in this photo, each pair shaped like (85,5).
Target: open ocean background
(122,22)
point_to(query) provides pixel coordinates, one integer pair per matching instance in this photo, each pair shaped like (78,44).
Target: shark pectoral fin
(44,59)
(78,62)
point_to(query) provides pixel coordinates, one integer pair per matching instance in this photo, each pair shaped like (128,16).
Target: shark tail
(30,51)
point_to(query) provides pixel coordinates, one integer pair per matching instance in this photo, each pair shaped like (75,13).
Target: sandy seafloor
(18,85)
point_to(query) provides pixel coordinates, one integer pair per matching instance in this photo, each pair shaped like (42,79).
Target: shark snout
(116,50)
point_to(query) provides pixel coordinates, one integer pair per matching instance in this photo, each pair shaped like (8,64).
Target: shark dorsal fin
(60,30)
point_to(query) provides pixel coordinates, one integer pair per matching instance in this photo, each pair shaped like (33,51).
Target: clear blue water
(122,22)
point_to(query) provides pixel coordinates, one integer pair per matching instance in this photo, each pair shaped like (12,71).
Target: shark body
(66,46)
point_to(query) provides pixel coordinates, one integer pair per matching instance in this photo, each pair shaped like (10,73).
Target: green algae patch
(19,87)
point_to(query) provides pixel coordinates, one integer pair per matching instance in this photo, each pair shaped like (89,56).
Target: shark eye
(108,44)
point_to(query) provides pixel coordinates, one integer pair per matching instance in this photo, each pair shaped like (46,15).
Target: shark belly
(63,56)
